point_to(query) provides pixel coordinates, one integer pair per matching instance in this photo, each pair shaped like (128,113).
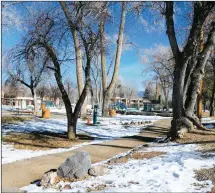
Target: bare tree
(161,63)
(189,65)
(88,36)
(27,66)
(149,92)
(108,90)
(129,92)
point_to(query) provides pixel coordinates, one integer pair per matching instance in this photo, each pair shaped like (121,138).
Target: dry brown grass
(35,141)
(206,174)
(96,188)
(204,139)
(136,155)
(14,119)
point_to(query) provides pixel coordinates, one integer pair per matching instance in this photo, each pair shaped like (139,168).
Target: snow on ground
(10,154)
(171,172)
(109,129)
(208,120)
(57,110)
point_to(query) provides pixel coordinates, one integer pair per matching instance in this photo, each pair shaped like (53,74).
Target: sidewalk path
(23,172)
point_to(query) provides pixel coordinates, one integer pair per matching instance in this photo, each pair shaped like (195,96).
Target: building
(139,103)
(25,102)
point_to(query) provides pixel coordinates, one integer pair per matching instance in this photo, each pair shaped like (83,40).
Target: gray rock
(75,166)
(97,170)
(48,179)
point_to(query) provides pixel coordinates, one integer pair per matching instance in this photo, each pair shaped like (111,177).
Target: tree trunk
(184,116)
(103,68)
(105,104)
(71,129)
(78,55)
(212,99)
(34,95)
(108,92)
(177,102)
(71,124)
(167,103)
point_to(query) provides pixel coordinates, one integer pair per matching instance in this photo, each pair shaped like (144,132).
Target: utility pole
(199,98)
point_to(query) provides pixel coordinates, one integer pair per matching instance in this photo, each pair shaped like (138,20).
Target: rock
(136,123)
(48,179)
(67,186)
(97,170)
(182,132)
(75,166)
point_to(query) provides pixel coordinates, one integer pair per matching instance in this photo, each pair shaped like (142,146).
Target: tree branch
(171,29)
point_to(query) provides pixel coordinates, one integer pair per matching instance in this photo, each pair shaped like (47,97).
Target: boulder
(67,186)
(97,170)
(48,179)
(75,166)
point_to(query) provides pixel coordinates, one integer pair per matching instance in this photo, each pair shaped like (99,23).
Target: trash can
(112,112)
(95,114)
(46,113)
(43,106)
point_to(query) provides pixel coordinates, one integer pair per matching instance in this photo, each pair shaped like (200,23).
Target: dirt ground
(43,141)
(135,155)
(39,140)
(205,140)
(206,143)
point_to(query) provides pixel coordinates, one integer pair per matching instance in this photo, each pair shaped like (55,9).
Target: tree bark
(183,112)
(71,121)
(212,97)
(103,68)
(109,90)
(34,95)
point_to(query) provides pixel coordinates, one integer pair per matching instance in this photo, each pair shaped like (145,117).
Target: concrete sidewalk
(22,173)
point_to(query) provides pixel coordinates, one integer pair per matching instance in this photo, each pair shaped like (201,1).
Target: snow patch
(171,172)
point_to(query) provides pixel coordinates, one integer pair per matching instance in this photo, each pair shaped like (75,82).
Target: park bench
(19,111)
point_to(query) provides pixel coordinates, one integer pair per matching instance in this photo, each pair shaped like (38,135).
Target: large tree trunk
(71,130)
(177,101)
(183,112)
(212,99)
(107,92)
(103,68)
(105,104)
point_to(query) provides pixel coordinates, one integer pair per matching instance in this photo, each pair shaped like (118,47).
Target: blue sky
(131,67)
